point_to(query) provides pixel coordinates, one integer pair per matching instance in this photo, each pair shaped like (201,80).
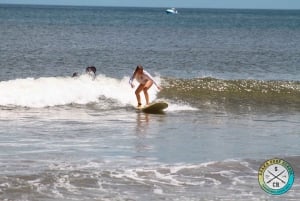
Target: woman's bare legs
(143,87)
(146,87)
(137,93)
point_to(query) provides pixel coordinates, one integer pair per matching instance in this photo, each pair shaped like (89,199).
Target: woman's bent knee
(148,84)
(139,89)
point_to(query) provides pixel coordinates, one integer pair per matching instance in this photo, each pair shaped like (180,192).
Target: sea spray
(53,91)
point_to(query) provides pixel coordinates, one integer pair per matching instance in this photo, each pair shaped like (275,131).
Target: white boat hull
(171,11)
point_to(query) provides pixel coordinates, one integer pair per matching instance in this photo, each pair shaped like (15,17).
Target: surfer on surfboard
(145,80)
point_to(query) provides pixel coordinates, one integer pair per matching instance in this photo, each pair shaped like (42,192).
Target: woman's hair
(139,67)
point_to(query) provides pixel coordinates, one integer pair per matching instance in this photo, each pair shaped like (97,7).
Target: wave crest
(233,92)
(53,91)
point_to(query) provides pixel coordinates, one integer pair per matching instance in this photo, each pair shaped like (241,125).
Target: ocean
(231,78)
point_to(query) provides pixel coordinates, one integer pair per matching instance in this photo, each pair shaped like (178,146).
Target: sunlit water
(64,138)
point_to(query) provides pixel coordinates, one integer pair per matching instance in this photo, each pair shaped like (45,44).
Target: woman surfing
(145,80)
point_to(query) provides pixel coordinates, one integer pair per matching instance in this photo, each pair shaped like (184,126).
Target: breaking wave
(200,91)
(54,91)
(182,94)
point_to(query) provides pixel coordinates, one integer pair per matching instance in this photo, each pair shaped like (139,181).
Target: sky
(252,4)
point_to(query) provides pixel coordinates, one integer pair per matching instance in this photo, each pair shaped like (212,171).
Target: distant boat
(171,11)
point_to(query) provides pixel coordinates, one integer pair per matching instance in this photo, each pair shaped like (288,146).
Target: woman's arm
(151,78)
(131,79)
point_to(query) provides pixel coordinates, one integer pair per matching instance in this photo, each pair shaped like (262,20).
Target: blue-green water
(231,77)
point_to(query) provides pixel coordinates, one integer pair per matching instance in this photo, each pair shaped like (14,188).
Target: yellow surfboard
(155,107)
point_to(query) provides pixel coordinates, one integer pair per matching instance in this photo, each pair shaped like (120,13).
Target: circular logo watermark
(276,176)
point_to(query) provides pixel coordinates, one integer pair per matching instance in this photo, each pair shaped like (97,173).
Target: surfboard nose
(156,107)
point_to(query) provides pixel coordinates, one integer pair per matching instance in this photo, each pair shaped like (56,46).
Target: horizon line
(124,6)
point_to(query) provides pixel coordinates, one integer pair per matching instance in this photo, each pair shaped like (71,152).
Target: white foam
(53,91)
(180,107)
(158,191)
